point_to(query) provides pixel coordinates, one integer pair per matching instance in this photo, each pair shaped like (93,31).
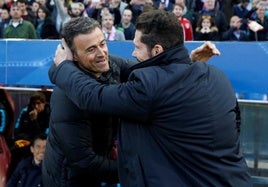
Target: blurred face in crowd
(262,7)
(127,16)
(178,11)
(41,14)
(15,13)
(209,4)
(38,105)
(92,52)
(22,7)
(206,23)
(235,22)
(35,6)
(75,9)
(107,21)
(4,14)
(38,150)
(42,2)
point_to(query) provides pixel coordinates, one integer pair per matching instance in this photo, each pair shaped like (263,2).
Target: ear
(31,149)
(157,49)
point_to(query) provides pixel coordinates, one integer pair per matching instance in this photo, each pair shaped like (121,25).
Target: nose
(100,51)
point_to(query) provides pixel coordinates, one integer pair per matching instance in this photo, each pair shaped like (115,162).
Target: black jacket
(80,142)
(178,121)
(26,174)
(26,128)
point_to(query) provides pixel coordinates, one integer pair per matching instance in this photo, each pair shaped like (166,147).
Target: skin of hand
(204,52)
(33,114)
(63,52)
(205,30)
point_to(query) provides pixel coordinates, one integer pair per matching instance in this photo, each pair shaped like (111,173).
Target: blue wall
(26,63)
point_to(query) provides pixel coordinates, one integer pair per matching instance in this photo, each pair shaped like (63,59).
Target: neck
(15,20)
(125,25)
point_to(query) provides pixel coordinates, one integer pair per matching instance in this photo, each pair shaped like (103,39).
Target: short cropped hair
(76,26)
(160,27)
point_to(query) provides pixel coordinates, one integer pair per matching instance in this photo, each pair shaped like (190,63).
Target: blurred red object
(6,131)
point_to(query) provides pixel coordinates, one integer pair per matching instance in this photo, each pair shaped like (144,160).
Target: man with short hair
(19,28)
(179,120)
(29,172)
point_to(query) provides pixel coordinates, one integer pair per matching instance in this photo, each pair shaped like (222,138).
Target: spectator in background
(109,30)
(89,8)
(121,5)
(61,13)
(260,18)
(185,23)
(4,20)
(103,7)
(3,5)
(235,33)
(206,29)
(166,5)
(17,27)
(35,6)
(76,9)
(45,27)
(188,13)
(126,25)
(137,7)
(28,173)
(210,9)
(27,13)
(33,119)
(241,10)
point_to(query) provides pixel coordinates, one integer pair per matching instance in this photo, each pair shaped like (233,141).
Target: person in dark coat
(34,118)
(180,120)
(235,33)
(28,172)
(80,148)
(45,26)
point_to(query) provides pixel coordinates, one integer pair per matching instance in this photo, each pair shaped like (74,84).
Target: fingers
(213,48)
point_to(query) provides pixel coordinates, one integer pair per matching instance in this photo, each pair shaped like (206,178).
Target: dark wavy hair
(160,27)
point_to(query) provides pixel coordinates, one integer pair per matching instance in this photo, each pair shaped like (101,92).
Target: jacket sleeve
(127,100)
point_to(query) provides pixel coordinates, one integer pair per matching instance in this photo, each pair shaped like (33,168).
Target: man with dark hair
(29,172)
(179,119)
(18,27)
(34,118)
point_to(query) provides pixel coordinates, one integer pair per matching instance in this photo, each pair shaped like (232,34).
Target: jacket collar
(177,54)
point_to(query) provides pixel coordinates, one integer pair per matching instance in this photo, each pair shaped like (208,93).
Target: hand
(204,52)
(205,30)
(33,114)
(62,53)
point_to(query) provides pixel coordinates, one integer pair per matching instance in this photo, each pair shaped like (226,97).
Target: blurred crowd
(215,20)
